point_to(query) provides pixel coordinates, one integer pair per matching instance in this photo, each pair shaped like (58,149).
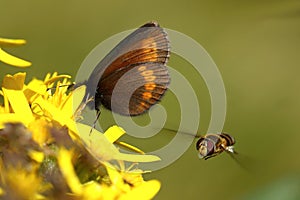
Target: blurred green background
(255,44)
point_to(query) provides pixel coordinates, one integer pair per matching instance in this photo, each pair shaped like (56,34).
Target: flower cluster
(45,153)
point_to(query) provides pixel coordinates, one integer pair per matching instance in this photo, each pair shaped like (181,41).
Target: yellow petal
(40,130)
(117,179)
(35,87)
(114,133)
(12,60)
(146,190)
(2,110)
(12,88)
(55,78)
(32,91)
(6,104)
(11,118)
(23,183)
(129,147)
(37,156)
(4,42)
(96,143)
(136,158)
(73,101)
(94,191)
(99,146)
(62,118)
(15,82)
(1,192)
(67,169)
(134,178)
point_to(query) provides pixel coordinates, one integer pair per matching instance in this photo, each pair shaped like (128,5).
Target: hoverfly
(212,144)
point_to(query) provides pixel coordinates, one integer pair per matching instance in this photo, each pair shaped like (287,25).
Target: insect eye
(210,147)
(198,144)
(206,149)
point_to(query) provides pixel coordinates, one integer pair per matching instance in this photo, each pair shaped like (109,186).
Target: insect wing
(147,47)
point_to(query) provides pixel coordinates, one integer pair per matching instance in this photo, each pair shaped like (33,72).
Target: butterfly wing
(133,90)
(148,46)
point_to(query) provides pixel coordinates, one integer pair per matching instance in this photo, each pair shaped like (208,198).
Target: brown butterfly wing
(147,44)
(133,90)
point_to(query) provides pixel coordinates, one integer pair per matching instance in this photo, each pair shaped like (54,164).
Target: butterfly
(133,76)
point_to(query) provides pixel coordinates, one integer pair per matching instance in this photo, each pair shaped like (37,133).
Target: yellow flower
(20,183)
(15,100)
(9,59)
(19,163)
(34,106)
(137,190)
(119,187)
(59,156)
(100,145)
(67,169)
(13,85)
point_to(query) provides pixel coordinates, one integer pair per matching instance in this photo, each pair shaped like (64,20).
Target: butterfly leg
(98,112)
